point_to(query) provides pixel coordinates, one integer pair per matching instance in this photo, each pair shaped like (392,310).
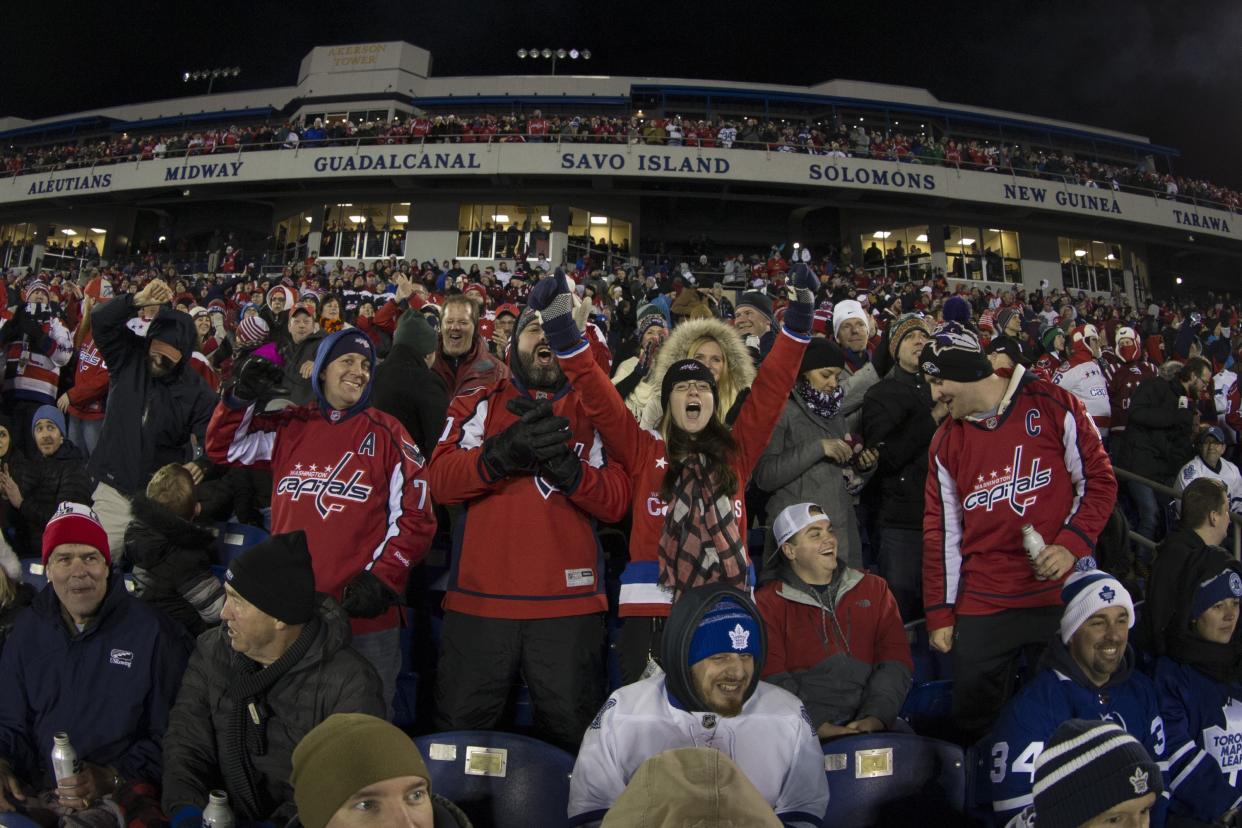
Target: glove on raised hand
(257,377)
(554,300)
(800,314)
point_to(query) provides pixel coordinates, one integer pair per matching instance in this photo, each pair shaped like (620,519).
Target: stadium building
(436,187)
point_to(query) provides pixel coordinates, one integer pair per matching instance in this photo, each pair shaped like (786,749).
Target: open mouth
(1110,652)
(694,410)
(543,355)
(729,688)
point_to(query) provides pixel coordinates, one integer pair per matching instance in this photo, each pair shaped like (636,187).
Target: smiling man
(713,648)
(1086,673)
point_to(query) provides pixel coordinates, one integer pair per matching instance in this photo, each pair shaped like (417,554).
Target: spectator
(807,455)
(171,554)
(634,378)
(711,695)
(85,400)
(155,405)
(687,480)
(1005,353)
(407,388)
(37,345)
(348,475)
(1087,671)
(851,329)
(714,344)
(1053,340)
(1209,461)
(1159,428)
(53,473)
(462,358)
(985,600)
(90,660)
(752,318)
(392,786)
(15,596)
(509,455)
(298,347)
(1205,519)
(835,638)
(1092,774)
(278,665)
(1130,371)
(1083,377)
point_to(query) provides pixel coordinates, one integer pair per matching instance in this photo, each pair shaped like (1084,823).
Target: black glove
(563,470)
(534,437)
(257,377)
(366,596)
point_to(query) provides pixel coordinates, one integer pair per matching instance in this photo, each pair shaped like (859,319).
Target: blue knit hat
(1227,584)
(726,628)
(49,412)
(957,309)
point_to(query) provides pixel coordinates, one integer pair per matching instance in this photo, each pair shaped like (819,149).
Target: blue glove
(553,299)
(800,314)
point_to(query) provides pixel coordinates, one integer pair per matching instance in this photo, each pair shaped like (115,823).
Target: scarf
(701,542)
(821,404)
(247,735)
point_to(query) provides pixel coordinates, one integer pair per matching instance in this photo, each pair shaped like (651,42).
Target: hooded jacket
(1128,374)
(352,479)
(149,420)
(330,678)
(46,482)
(677,347)
(1061,691)
(110,686)
(1082,377)
(771,740)
(410,391)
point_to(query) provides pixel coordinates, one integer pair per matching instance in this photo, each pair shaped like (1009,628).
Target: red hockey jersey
(1039,460)
(89,392)
(355,485)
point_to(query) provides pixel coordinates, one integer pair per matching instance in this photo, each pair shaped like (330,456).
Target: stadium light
(554,55)
(210,75)
(1178,280)
(98,230)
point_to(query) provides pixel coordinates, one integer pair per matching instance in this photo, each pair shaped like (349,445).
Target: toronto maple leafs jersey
(1227,473)
(1038,460)
(771,741)
(1203,726)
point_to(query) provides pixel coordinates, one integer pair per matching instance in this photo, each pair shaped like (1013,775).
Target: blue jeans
(85,433)
(383,650)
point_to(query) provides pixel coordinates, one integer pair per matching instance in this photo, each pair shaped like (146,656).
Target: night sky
(1164,69)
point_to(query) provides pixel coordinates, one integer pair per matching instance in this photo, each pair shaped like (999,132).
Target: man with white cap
(835,637)
(1087,672)
(851,328)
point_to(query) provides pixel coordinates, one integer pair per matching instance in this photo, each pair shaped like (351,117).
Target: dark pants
(640,636)
(561,660)
(985,661)
(901,565)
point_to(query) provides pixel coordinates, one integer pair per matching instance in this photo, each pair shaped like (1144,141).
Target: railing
(1167,491)
(629,138)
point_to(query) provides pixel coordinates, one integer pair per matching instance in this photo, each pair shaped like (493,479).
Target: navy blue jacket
(110,687)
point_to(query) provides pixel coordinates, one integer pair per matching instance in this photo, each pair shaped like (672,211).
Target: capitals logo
(1012,486)
(329,486)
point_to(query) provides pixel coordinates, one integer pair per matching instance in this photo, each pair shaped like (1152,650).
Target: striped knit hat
(252,331)
(1087,769)
(1087,592)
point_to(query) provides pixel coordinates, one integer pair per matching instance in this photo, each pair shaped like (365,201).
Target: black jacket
(330,678)
(167,553)
(410,391)
(1157,437)
(295,355)
(897,412)
(46,482)
(149,421)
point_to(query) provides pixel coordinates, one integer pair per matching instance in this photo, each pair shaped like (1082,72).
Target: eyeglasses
(701,386)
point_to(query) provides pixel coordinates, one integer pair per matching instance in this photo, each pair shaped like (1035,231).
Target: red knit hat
(75,523)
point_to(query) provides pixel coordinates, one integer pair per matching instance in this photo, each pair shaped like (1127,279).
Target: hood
(1057,657)
(679,630)
(336,632)
(1079,352)
(289,297)
(329,413)
(177,329)
(677,347)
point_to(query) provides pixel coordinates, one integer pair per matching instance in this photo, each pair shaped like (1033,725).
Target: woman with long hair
(720,348)
(687,479)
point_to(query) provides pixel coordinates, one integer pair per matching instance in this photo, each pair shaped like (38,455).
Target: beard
(544,377)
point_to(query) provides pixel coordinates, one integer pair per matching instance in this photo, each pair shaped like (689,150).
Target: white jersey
(1222,384)
(1227,473)
(772,742)
(1086,382)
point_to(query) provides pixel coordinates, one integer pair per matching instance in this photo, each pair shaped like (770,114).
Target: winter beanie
(1085,594)
(954,354)
(49,412)
(37,284)
(685,370)
(1228,584)
(847,309)
(902,327)
(343,754)
(957,309)
(275,576)
(1002,317)
(75,523)
(1087,769)
(351,343)
(725,628)
(757,300)
(1049,337)
(414,332)
(649,321)
(252,331)
(821,353)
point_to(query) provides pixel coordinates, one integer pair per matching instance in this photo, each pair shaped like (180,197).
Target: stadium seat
(927,703)
(895,779)
(500,779)
(234,538)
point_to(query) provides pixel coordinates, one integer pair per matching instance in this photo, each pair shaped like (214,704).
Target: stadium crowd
(834,138)
(759,497)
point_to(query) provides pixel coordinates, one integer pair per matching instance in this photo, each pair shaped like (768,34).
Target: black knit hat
(682,371)
(757,300)
(954,354)
(821,353)
(276,577)
(1087,769)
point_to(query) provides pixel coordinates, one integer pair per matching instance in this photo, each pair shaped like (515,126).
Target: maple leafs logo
(739,637)
(1225,744)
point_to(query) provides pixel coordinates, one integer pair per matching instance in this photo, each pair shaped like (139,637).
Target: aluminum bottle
(1033,543)
(217,814)
(64,757)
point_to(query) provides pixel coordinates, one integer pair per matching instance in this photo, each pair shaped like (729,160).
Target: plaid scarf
(701,542)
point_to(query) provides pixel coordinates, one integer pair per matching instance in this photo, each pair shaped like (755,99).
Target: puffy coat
(45,482)
(330,678)
(167,553)
(740,367)
(1158,434)
(897,412)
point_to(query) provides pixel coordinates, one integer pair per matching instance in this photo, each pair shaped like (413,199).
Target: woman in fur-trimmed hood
(720,348)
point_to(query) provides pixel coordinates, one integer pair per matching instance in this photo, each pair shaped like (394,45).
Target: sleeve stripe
(246,448)
(1013,804)
(1181,777)
(396,489)
(1073,463)
(951,544)
(471,436)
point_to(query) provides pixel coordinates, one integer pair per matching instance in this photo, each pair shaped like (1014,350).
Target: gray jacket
(856,385)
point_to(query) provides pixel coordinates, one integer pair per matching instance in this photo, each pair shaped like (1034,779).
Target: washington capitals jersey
(1038,460)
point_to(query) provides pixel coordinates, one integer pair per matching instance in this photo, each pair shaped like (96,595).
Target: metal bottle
(1033,543)
(217,814)
(65,761)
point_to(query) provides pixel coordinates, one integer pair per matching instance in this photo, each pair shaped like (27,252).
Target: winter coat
(410,391)
(295,355)
(473,369)
(740,366)
(856,384)
(897,412)
(45,482)
(330,678)
(149,420)
(110,686)
(167,553)
(1158,438)
(636,391)
(793,469)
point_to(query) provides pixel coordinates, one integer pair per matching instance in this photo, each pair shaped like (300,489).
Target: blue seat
(500,778)
(929,664)
(895,779)
(234,538)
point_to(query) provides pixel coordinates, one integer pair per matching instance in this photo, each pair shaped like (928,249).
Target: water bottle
(217,814)
(65,761)
(1033,543)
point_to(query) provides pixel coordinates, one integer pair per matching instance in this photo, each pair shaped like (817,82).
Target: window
(363,231)
(503,231)
(1090,264)
(899,252)
(597,236)
(984,254)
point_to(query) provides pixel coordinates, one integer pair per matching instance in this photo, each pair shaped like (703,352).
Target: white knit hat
(1085,594)
(847,309)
